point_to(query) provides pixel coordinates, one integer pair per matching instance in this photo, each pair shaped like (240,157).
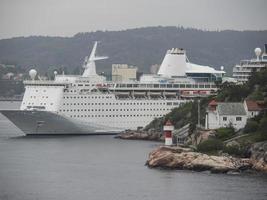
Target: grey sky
(67,17)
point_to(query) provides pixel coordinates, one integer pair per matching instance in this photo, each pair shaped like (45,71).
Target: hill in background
(142,47)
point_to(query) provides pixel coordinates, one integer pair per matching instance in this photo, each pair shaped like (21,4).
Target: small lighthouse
(168,128)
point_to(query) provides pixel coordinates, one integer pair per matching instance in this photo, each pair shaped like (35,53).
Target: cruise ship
(89,104)
(244,70)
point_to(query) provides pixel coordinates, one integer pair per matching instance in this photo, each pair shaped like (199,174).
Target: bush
(210,145)
(251,126)
(225,133)
(235,150)
(263,125)
(263,128)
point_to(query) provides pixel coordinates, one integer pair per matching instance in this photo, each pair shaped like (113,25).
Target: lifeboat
(204,92)
(169,93)
(121,93)
(139,93)
(154,93)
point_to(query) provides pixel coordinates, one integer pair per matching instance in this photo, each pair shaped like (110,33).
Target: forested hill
(142,47)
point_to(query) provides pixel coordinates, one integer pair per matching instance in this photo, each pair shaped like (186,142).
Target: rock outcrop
(141,135)
(184,158)
(258,153)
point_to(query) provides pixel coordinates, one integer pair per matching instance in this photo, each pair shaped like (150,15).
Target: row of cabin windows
(35,103)
(38,91)
(78,110)
(155,115)
(34,97)
(87,97)
(237,118)
(175,103)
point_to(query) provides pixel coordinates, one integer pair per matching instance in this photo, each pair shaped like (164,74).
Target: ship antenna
(90,62)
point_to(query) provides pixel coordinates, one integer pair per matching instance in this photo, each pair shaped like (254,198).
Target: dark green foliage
(142,47)
(254,89)
(156,124)
(186,113)
(210,145)
(225,133)
(251,126)
(258,80)
(235,150)
(263,127)
(256,96)
(179,117)
(230,92)
(8,88)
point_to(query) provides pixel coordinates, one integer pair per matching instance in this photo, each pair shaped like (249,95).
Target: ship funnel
(265,48)
(89,62)
(174,63)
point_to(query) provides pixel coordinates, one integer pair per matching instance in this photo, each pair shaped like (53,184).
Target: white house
(225,114)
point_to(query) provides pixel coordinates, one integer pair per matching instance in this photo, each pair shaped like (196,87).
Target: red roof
(253,105)
(213,103)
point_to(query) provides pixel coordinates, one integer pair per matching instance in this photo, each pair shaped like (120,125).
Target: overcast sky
(68,17)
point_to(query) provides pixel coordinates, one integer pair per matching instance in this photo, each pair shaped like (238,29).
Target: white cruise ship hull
(46,123)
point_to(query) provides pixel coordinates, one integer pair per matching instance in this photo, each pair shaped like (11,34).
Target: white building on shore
(226,114)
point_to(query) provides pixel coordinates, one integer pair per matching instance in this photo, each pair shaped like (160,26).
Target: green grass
(251,138)
(224,133)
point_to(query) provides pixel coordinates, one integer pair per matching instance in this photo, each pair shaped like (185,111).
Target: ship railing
(44,82)
(242,70)
(253,65)
(246,75)
(183,86)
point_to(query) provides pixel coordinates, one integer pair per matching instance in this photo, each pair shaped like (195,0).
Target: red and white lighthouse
(168,128)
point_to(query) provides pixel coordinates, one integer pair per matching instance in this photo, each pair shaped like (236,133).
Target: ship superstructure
(244,70)
(88,104)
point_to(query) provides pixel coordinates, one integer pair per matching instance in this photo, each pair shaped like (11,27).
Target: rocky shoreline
(258,156)
(186,158)
(176,157)
(151,135)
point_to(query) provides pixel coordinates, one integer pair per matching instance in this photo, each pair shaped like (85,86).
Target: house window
(224,118)
(238,118)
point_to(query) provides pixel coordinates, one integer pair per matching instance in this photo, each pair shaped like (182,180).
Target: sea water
(104,168)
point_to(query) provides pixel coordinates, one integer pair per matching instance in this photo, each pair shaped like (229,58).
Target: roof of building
(253,105)
(231,109)
(213,103)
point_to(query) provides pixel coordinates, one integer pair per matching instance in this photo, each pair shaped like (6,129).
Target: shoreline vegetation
(222,150)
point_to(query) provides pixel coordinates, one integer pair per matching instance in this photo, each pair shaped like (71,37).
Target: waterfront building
(222,114)
(253,108)
(225,114)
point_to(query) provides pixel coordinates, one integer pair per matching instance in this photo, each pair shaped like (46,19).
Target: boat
(89,104)
(243,71)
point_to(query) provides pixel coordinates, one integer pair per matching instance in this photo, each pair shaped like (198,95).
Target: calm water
(101,167)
